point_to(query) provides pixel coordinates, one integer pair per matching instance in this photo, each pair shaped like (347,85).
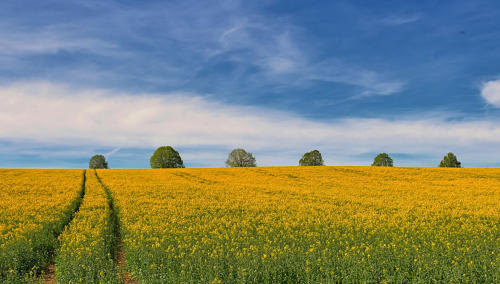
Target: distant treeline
(168,157)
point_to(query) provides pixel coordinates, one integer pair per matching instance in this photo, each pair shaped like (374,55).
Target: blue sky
(279,78)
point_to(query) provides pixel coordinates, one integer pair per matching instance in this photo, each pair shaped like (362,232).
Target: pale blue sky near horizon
(415,79)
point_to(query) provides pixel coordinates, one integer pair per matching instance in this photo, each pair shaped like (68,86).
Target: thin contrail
(109,154)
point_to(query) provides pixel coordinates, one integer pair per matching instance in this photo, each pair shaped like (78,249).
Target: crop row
(88,244)
(35,205)
(48,215)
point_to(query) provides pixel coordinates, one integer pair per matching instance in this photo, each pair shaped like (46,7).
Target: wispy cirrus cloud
(284,54)
(371,82)
(15,41)
(397,20)
(184,42)
(271,46)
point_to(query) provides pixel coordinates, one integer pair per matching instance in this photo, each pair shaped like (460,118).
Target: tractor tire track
(118,253)
(48,274)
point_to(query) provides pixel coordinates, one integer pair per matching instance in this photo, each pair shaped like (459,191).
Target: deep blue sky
(309,64)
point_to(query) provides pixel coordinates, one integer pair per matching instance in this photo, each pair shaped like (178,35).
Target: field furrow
(119,255)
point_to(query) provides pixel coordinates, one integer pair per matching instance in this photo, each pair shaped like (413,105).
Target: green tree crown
(240,158)
(312,158)
(382,160)
(450,161)
(98,162)
(166,157)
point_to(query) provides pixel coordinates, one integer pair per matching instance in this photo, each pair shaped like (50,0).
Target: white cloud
(59,114)
(490,91)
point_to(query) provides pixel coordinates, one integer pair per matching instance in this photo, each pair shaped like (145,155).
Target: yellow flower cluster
(87,244)
(309,224)
(34,207)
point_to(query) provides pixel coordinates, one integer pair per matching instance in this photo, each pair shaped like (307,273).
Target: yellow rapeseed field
(309,224)
(34,207)
(258,225)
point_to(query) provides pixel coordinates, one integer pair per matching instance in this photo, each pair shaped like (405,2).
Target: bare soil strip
(121,263)
(49,275)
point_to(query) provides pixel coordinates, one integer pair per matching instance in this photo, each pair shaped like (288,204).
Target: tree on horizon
(166,157)
(382,160)
(240,158)
(98,162)
(312,158)
(450,161)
